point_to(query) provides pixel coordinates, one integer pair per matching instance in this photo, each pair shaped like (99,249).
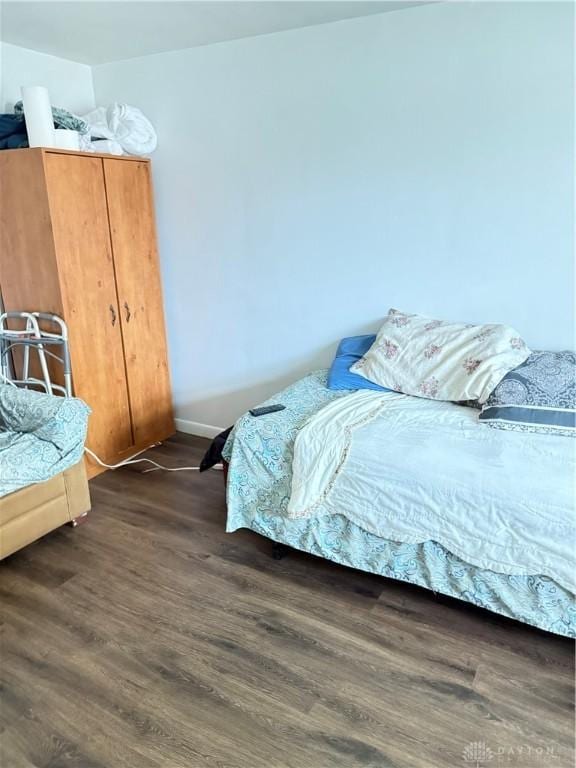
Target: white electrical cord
(133,460)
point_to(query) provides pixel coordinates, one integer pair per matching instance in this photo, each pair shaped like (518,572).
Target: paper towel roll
(66,139)
(38,115)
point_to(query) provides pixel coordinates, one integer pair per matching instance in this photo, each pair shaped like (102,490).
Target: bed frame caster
(279,551)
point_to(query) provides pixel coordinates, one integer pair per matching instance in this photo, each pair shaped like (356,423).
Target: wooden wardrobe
(78,239)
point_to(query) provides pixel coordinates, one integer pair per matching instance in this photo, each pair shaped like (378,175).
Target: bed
(260,454)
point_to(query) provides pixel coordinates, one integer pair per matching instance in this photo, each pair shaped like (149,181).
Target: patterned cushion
(441,360)
(42,436)
(538,396)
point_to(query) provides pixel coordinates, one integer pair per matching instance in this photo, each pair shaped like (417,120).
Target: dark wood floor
(149,638)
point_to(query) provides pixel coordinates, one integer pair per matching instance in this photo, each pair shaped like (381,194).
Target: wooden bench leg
(80,520)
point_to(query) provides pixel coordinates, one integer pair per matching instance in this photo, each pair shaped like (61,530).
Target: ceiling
(99,32)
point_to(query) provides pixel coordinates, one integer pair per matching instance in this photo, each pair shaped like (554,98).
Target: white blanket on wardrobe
(414,470)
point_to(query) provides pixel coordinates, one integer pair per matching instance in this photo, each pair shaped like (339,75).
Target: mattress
(260,453)
(413,470)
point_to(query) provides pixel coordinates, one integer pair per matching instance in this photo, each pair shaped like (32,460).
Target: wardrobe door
(28,266)
(79,214)
(131,214)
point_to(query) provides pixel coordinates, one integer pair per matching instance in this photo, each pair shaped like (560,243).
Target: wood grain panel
(80,225)
(131,214)
(28,269)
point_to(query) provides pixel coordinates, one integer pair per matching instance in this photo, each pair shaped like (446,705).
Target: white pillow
(439,360)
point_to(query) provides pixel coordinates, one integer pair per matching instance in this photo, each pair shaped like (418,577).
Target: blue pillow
(349,351)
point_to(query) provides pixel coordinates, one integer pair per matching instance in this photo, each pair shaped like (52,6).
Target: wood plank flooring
(149,638)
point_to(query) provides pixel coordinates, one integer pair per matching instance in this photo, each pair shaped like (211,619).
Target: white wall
(307,181)
(69,83)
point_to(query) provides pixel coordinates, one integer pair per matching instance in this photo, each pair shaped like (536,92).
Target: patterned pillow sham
(538,396)
(441,360)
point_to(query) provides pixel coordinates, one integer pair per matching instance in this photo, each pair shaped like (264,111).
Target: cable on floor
(134,460)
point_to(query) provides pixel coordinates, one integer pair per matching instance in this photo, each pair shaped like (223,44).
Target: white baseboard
(195,428)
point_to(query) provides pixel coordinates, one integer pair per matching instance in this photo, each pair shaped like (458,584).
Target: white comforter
(414,470)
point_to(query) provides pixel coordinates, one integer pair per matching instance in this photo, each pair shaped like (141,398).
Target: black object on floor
(214,454)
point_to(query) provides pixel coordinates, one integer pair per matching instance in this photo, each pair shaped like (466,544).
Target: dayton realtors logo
(477,753)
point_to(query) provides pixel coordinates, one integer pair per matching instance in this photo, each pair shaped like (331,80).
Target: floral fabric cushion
(538,396)
(440,360)
(40,436)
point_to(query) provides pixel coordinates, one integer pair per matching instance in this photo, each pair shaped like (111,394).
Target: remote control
(267,409)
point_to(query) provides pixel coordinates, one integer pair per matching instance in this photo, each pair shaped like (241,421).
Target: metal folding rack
(35,338)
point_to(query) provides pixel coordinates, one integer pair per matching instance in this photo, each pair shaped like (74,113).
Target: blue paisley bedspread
(260,452)
(40,436)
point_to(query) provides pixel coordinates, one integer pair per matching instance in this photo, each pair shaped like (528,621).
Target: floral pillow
(440,360)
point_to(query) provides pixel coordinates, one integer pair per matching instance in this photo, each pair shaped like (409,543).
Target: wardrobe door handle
(113,315)
(128,313)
